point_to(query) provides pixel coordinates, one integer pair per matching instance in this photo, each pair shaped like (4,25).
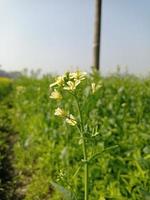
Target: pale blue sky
(57,35)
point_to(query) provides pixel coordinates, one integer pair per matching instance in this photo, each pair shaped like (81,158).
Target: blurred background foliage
(47,151)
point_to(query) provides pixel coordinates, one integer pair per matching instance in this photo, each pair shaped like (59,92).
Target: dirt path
(7,139)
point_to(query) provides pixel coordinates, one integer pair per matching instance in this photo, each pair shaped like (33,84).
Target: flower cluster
(95,87)
(69,118)
(69,82)
(55,95)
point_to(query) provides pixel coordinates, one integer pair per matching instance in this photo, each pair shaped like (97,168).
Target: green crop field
(111,115)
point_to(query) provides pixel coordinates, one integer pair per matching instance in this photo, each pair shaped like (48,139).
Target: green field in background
(47,150)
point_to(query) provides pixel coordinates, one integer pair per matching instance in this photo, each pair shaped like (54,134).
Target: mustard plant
(70,82)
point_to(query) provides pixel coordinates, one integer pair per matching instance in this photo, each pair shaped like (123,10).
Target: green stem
(85,170)
(81,130)
(80,114)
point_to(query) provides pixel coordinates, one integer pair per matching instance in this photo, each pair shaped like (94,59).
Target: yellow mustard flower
(60,112)
(93,86)
(55,95)
(71,120)
(78,75)
(59,81)
(96,87)
(71,85)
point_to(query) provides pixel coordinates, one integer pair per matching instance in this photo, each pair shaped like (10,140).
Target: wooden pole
(97,34)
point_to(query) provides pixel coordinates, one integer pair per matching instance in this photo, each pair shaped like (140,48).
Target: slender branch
(81,130)
(80,114)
